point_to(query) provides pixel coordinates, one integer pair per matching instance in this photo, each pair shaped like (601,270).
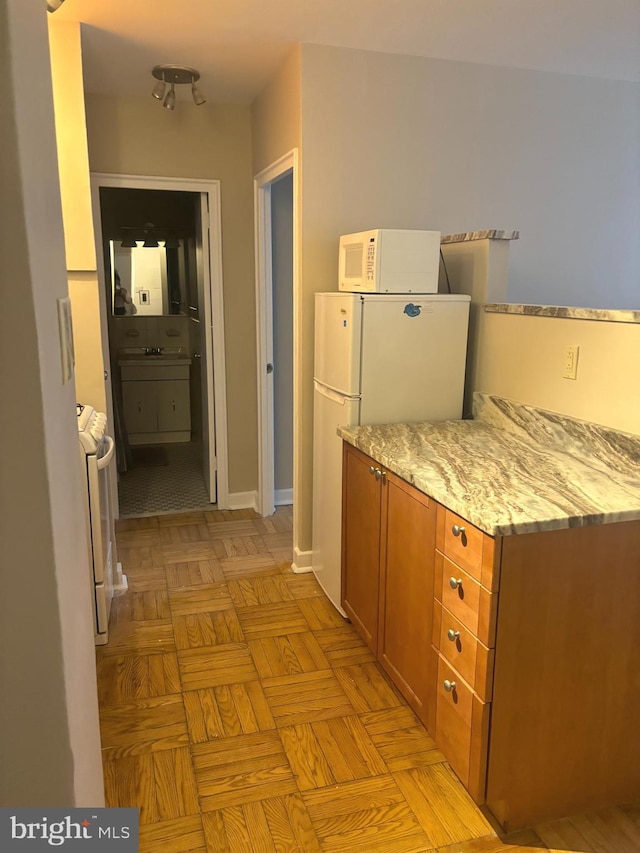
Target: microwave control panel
(371,255)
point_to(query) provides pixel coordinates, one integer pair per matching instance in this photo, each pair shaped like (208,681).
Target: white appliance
(386,260)
(378,359)
(97,452)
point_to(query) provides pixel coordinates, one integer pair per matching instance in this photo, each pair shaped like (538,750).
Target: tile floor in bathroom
(174,484)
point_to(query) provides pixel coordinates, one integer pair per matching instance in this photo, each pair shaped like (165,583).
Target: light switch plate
(65,330)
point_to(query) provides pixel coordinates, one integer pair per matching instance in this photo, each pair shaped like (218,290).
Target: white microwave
(386,260)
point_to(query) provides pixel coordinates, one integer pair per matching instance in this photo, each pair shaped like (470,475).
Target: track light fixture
(175,75)
(148,236)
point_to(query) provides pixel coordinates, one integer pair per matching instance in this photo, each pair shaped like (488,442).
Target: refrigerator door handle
(334,396)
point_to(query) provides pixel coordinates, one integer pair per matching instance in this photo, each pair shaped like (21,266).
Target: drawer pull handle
(454,583)
(378,473)
(449,686)
(372,470)
(453,635)
(457,530)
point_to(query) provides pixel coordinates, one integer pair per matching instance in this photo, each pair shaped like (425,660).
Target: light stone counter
(487,234)
(514,469)
(609,315)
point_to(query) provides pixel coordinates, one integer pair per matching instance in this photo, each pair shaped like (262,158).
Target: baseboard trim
(243,500)
(301,562)
(283,497)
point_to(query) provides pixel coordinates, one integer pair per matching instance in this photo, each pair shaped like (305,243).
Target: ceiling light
(52,5)
(198,98)
(159,90)
(176,75)
(128,243)
(169,102)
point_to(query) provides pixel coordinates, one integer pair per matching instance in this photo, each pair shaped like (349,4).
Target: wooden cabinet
(172,398)
(156,402)
(361,524)
(406,593)
(520,654)
(566,693)
(465,614)
(388,574)
(140,407)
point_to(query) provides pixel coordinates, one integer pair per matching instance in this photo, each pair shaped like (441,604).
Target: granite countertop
(610,315)
(513,469)
(487,234)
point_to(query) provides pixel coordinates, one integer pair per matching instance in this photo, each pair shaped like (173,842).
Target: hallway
(240,712)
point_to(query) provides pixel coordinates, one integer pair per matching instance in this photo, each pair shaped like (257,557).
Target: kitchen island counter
(513,469)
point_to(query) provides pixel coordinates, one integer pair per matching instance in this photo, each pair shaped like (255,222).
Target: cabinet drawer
(464,651)
(469,547)
(469,602)
(462,728)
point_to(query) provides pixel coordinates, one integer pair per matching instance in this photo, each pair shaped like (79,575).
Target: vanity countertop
(514,468)
(167,358)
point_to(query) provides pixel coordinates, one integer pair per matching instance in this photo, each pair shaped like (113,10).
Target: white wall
(282,262)
(49,735)
(411,142)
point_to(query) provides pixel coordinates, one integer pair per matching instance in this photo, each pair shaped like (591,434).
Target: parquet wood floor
(241,714)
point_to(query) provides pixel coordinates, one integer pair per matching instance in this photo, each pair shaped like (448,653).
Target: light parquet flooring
(241,714)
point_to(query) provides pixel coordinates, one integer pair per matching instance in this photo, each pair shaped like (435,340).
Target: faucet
(153,350)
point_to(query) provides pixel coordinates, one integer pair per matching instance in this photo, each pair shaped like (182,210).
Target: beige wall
(87,339)
(136,136)
(73,167)
(521,357)
(276,130)
(71,138)
(49,733)
(276,115)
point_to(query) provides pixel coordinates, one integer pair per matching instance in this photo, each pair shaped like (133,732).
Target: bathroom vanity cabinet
(156,401)
(519,653)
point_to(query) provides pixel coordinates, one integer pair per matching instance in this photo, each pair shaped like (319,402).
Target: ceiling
(238,44)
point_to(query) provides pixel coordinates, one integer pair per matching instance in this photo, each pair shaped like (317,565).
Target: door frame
(213,284)
(262,182)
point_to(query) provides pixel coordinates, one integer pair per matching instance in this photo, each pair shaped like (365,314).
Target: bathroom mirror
(148,281)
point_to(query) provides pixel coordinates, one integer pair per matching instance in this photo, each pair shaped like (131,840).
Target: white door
(414,351)
(206,355)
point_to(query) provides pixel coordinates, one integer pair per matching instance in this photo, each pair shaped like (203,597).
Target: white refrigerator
(378,359)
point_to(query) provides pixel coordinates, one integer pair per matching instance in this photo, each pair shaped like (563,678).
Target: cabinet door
(173,405)
(361,543)
(406,595)
(140,409)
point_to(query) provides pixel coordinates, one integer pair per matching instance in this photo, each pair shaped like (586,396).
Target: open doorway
(159,285)
(282,322)
(277,306)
